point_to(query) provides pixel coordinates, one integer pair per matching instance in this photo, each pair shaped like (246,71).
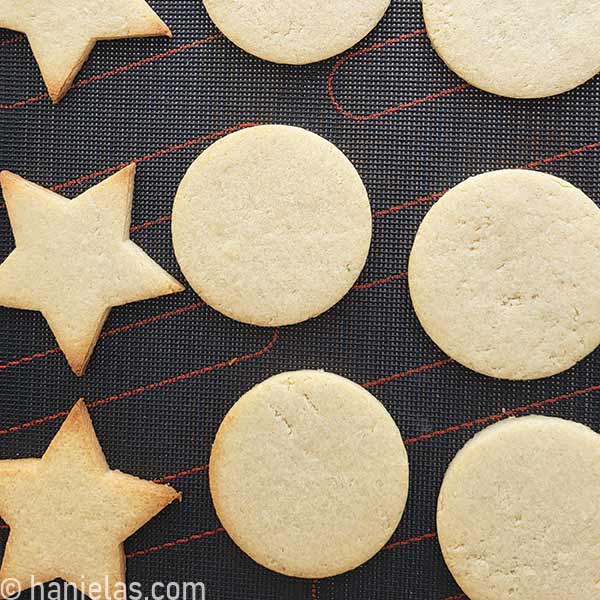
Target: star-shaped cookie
(74,260)
(69,514)
(62,33)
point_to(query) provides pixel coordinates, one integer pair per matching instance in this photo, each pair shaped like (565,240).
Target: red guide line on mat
(382,281)
(413,540)
(423,437)
(185,473)
(108,333)
(267,348)
(12,40)
(152,155)
(151,223)
(409,204)
(501,415)
(532,165)
(174,543)
(314,592)
(147,157)
(407,373)
(128,67)
(148,387)
(216,531)
(408,104)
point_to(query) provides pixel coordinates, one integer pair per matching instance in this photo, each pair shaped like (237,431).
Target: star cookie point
(62,33)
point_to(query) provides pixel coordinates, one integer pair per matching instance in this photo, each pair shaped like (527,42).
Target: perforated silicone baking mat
(167,370)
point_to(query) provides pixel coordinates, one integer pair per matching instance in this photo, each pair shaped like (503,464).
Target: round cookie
(518,512)
(309,474)
(503,274)
(298,32)
(271,225)
(517,48)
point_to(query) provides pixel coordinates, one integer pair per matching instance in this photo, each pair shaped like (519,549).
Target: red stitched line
(267,348)
(397,207)
(384,280)
(151,223)
(153,319)
(409,104)
(108,333)
(133,65)
(185,473)
(414,371)
(12,40)
(436,195)
(562,155)
(413,540)
(314,593)
(313,588)
(199,536)
(532,165)
(174,543)
(151,386)
(502,415)
(26,359)
(435,96)
(152,155)
(25,102)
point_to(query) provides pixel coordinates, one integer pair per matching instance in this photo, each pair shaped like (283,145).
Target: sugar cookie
(299,32)
(517,48)
(503,274)
(69,513)
(309,474)
(518,512)
(271,225)
(74,260)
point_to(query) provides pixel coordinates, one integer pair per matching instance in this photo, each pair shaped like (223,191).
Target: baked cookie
(503,274)
(517,48)
(74,260)
(271,225)
(308,474)
(69,514)
(299,32)
(62,33)
(518,512)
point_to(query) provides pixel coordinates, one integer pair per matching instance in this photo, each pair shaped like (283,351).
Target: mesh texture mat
(167,370)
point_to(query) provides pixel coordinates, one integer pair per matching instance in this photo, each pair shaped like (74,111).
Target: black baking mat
(164,112)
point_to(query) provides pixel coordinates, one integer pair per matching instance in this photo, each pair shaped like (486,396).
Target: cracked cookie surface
(309,474)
